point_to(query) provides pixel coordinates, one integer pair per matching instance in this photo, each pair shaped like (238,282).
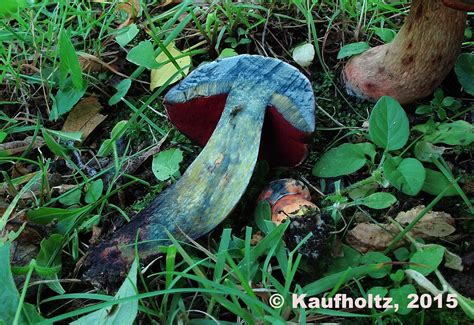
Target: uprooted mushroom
(417,60)
(222,104)
(290,199)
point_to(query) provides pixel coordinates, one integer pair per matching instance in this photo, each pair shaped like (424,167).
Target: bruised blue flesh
(213,184)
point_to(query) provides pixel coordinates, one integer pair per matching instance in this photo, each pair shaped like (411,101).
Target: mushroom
(290,199)
(287,197)
(417,60)
(223,105)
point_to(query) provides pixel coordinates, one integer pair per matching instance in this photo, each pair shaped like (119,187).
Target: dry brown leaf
(371,237)
(84,117)
(132,8)
(17,147)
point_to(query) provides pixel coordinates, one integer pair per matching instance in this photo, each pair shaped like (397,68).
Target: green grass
(226,276)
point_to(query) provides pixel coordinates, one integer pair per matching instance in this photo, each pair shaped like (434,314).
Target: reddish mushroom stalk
(240,90)
(417,60)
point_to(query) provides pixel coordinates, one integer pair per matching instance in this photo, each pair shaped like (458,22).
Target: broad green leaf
(400,297)
(343,160)
(388,124)
(122,89)
(352,49)
(65,99)
(457,133)
(227,53)
(401,254)
(9,7)
(386,34)
(166,164)
(123,313)
(9,296)
(72,197)
(126,35)
(407,177)
(426,151)
(50,256)
(427,260)
(167,72)
(143,55)
(464,69)
(377,258)
(65,217)
(68,62)
(94,191)
(378,200)
(436,182)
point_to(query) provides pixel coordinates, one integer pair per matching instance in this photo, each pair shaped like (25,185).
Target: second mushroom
(417,60)
(223,105)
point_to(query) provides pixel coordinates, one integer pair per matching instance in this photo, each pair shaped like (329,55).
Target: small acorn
(291,199)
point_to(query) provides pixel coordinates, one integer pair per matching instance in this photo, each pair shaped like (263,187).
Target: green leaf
(426,151)
(407,177)
(388,124)
(65,217)
(427,260)
(458,133)
(143,55)
(94,191)
(53,145)
(3,136)
(263,217)
(9,7)
(168,73)
(49,256)
(387,35)
(401,254)
(123,313)
(436,182)
(378,258)
(126,35)
(122,89)
(166,164)
(65,99)
(352,49)
(8,294)
(378,200)
(71,197)
(464,69)
(119,130)
(343,160)
(68,62)
(400,297)
(227,53)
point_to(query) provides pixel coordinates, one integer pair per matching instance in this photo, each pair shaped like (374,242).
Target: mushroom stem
(203,196)
(416,61)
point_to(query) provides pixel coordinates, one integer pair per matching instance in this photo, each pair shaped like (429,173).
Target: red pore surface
(282,144)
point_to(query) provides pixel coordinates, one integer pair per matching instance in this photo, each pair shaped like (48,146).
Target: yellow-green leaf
(168,71)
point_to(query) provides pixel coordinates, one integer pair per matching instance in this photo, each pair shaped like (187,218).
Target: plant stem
(32,266)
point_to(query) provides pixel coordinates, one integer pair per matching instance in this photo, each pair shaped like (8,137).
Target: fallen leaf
(167,70)
(371,237)
(84,117)
(17,147)
(133,10)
